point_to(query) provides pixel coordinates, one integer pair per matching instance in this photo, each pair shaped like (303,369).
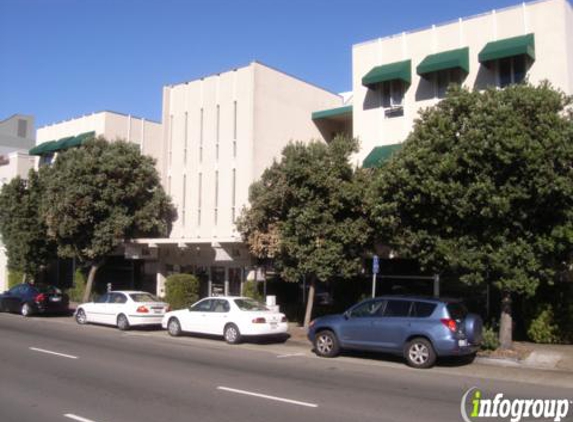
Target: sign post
(375,269)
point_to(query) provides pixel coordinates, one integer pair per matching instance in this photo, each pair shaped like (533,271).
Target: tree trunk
(506,322)
(309,304)
(91,277)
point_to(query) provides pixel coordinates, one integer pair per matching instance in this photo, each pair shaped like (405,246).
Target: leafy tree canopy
(100,194)
(483,187)
(23,232)
(307,212)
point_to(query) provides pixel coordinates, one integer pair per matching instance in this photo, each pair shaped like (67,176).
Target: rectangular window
(184,199)
(216,197)
(199,196)
(233,194)
(218,132)
(393,98)
(445,78)
(201,135)
(186,136)
(511,70)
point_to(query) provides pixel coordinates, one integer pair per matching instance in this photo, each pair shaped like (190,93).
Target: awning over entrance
(401,71)
(452,59)
(508,47)
(332,113)
(379,155)
(61,144)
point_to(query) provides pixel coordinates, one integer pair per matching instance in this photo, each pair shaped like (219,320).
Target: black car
(29,299)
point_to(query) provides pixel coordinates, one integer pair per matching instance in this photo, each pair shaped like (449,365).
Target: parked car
(30,299)
(419,329)
(123,309)
(230,317)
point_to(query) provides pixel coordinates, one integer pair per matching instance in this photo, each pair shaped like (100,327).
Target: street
(55,370)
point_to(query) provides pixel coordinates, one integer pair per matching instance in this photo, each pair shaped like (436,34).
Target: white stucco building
(394,77)
(220,133)
(109,124)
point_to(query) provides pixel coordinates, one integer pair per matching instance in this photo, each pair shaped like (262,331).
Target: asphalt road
(55,370)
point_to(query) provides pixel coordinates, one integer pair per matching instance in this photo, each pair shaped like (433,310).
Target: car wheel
(420,353)
(232,334)
(174,327)
(26,310)
(122,322)
(81,317)
(326,344)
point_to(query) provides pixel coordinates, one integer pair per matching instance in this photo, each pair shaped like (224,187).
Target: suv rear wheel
(419,353)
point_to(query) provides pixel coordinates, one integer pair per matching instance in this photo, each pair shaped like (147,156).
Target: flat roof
(98,112)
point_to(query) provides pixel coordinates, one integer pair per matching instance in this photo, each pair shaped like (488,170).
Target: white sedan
(231,317)
(123,309)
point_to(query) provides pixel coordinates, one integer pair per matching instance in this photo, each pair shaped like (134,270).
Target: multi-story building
(219,134)
(396,76)
(111,125)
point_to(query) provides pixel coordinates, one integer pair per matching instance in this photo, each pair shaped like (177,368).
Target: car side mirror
(347,315)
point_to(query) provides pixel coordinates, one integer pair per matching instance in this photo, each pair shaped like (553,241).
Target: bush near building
(181,290)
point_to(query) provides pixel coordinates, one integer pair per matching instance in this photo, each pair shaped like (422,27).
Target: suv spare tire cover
(473,325)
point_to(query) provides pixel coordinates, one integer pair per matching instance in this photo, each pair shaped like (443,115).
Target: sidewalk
(543,356)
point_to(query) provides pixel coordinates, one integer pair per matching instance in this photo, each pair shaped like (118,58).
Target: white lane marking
(289,355)
(264,396)
(77,418)
(49,352)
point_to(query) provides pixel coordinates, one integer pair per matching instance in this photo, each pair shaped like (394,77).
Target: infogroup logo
(475,407)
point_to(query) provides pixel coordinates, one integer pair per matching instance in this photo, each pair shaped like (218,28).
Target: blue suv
(420,329)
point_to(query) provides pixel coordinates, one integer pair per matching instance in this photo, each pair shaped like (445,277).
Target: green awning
(50,147)
(509,47)
(332,112)
(379,155)
(452,59)
(401,71)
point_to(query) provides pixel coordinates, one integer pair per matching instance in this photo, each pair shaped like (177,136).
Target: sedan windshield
(143,297)
(250,305)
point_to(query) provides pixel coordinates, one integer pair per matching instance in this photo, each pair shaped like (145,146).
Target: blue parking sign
(375,264)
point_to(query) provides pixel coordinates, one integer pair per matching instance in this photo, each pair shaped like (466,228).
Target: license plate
(462,343)
(274,324)
(55,299)
(157,311)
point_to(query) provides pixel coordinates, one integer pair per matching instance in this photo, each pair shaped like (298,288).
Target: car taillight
(259,320)
(284,319)
(142,310)
(312,323)
(168,308)
(450,324)
(40,298)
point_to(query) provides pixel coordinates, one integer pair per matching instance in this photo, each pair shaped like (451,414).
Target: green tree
(100,194)
(307,214)
(483,188)
(23,232)
(181,290)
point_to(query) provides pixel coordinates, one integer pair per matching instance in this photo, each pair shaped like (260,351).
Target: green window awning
(508,47)
(452,59)
(50,147)
(379,155)
(401,71)
(332,112)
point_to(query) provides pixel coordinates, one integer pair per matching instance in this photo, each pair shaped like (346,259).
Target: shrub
(251,289)
(14,277)
(181,290)
(490,339)
(544,328)
(76,292)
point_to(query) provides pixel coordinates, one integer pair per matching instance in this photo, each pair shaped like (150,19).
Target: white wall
(554,61)
(19,164)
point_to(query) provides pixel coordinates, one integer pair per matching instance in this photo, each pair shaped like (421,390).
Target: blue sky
(64,58)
